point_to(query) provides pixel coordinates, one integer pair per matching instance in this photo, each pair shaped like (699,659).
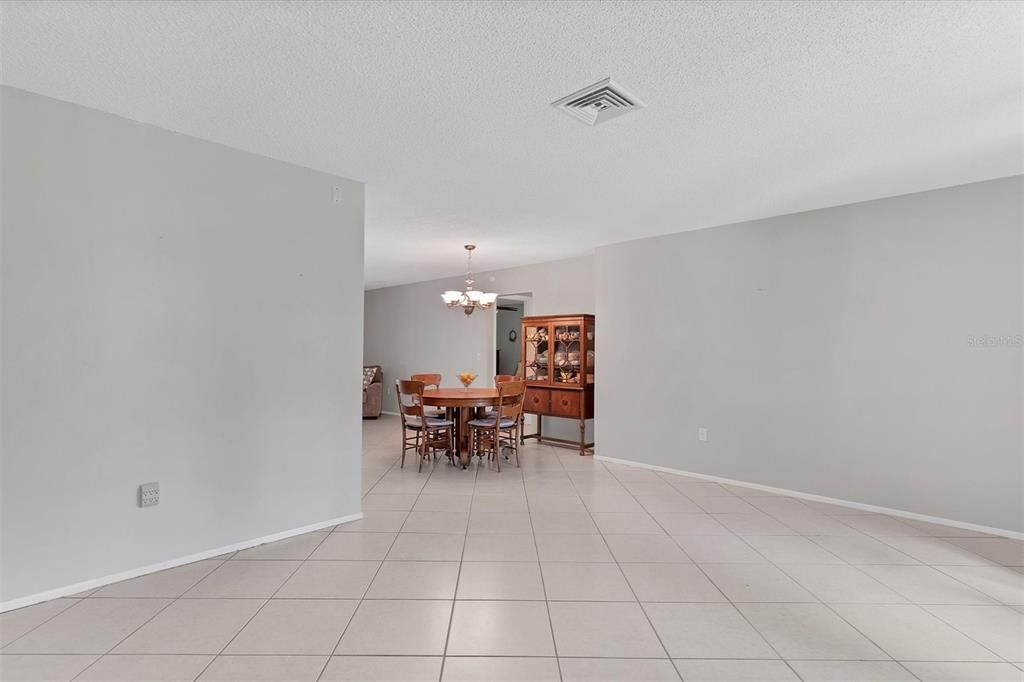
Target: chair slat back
(429,380)
(410,398)
(510,399)
(504,379)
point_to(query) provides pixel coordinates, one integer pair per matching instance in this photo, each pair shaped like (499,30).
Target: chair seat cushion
(488,422)
(432,423)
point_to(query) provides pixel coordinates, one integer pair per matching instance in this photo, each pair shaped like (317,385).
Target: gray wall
(174,311)
(409,330)
(828,352)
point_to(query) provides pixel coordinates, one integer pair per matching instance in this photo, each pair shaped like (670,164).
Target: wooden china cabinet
(558,366)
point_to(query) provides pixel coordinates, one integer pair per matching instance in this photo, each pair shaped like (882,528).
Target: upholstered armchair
(373,391)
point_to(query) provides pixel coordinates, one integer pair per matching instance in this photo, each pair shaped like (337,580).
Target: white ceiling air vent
(600,102)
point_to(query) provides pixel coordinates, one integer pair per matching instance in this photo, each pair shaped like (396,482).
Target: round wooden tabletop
(460,397)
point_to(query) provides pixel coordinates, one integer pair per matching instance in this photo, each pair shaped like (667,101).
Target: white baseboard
(1016,535)
(393,414)
(69,590)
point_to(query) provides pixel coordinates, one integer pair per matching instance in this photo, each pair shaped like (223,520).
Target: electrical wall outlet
(149,494)
(702,435)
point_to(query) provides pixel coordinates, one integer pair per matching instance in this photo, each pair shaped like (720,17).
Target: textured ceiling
(753,109)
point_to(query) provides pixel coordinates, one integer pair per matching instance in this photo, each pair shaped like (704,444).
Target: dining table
(465,403)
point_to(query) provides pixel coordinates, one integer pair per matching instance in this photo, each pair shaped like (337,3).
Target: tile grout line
(359,603)
(819,601)
(911,602)
(947,623)
(595,601)
(438,656)
(708,578)
(380,565)
(829,606)
(995,601)
(91,595)
(859,568)
(939,568)
(78,600)
(166,606)
(543,584)
(259,610)
(458,575)
(618,565)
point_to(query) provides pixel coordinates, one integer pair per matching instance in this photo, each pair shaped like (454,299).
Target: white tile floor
(564,569)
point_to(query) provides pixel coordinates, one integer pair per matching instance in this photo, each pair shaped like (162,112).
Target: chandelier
(470,299)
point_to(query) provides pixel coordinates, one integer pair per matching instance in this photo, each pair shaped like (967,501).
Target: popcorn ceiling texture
(754,109)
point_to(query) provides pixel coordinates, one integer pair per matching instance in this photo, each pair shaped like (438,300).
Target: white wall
(828,352)
(409,330)
(174,311)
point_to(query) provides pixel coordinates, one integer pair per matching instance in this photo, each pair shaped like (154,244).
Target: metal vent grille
(600,102)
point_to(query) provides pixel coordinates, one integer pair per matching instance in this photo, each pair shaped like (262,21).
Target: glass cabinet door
(536,361)
(566,355)
(589,357)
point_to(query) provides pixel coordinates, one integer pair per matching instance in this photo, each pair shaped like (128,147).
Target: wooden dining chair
(504,379)
(429,380)
(493,433)
(429,434)
(432,381)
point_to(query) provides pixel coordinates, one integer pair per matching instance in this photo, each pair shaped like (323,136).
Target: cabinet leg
(540,426)
(583,440)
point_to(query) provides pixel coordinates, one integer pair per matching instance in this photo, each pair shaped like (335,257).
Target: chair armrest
(373,396)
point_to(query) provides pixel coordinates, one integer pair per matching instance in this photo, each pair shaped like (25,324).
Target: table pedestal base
(462,431)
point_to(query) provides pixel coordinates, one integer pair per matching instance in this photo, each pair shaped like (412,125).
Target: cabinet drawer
(565,403)
(537,401)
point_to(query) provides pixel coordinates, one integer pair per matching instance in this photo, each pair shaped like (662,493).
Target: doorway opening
(507,344)
(509,309)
